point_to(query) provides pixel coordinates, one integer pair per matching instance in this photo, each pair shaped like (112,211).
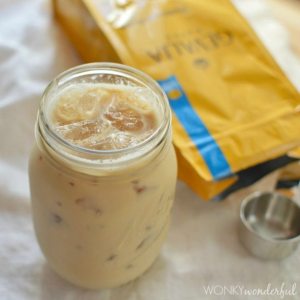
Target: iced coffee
(102,174)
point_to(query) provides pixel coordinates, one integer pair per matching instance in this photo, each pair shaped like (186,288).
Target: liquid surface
(104,116)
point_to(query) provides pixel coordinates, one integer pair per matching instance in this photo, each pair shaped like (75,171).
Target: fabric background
(202,247)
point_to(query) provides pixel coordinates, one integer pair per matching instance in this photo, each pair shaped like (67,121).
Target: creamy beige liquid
(102,231)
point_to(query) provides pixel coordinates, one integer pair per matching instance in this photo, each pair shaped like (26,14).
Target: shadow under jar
(101,216)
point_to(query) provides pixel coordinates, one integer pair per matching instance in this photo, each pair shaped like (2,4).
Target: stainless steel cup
(270,225)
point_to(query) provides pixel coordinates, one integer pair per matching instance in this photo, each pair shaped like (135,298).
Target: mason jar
(101,216)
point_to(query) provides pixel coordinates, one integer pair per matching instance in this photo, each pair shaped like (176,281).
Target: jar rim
(51,137)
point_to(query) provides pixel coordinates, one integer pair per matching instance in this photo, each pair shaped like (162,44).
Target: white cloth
(202,248)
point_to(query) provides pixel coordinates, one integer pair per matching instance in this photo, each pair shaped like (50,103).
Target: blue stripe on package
(196,129)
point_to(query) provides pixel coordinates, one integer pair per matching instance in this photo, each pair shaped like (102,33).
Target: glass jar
(101,216)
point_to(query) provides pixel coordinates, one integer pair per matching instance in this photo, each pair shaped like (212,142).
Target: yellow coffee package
(288,180)
(233,107)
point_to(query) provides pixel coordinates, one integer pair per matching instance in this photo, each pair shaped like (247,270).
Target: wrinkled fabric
(202,247)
